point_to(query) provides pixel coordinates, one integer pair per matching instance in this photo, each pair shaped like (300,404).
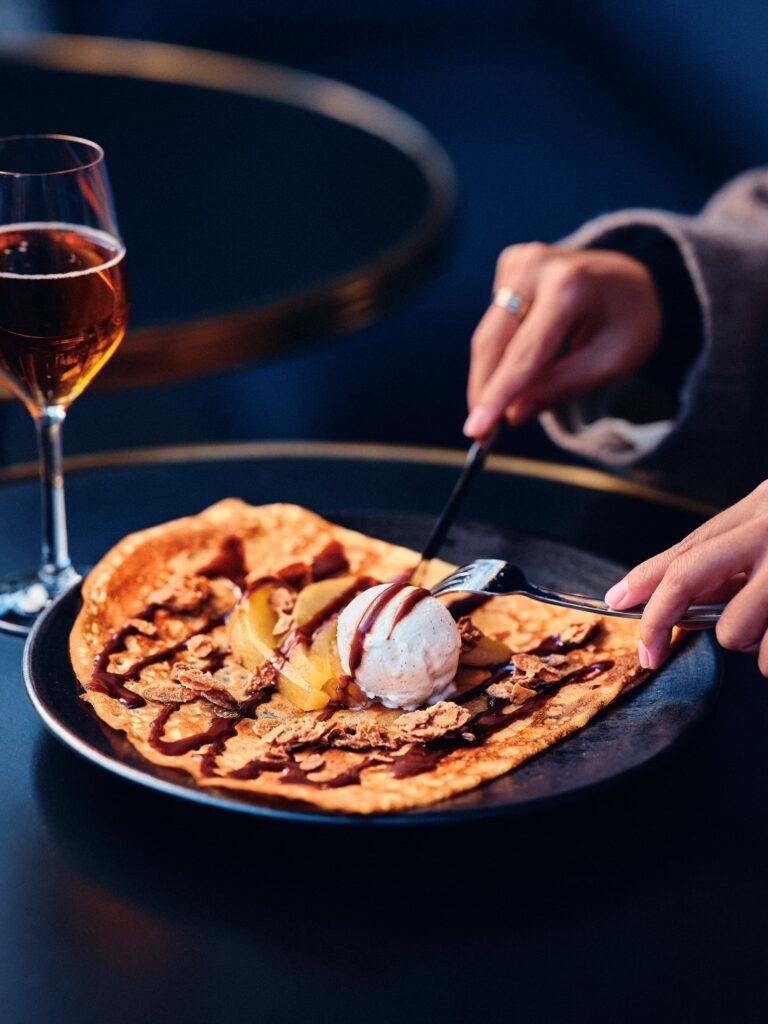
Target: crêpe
(160,601)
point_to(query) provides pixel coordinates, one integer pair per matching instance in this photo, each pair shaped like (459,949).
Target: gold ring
(511,301)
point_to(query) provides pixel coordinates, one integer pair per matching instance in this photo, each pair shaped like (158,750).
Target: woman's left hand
(725,560)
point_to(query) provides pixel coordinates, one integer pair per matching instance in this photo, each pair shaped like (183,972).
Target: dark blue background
(552,113)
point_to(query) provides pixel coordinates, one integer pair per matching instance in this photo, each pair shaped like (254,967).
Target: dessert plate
(628,735)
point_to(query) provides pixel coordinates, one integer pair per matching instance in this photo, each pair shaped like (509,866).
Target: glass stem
(56,570)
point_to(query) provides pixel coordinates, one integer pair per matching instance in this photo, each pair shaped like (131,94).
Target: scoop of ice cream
(400,645)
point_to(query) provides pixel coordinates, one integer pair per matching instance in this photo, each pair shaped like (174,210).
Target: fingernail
(643,655)
(478,422)
(617,594)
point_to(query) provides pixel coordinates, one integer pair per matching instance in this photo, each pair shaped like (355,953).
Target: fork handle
(697,614)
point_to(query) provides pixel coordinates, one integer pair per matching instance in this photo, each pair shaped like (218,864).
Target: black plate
(628,735)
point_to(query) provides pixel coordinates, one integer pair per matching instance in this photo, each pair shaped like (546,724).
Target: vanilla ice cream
(400,645)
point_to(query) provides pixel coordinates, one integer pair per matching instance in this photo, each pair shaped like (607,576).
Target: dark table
(644,902)
(262,207)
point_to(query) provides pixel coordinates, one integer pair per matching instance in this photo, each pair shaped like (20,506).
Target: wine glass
(63,309)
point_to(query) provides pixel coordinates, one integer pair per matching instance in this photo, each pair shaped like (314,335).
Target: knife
(473,463)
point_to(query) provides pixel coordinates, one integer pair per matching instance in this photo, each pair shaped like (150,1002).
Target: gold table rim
(338,304)
(583,477)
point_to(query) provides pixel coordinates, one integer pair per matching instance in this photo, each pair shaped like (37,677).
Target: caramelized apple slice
(300,693)
(252,641)
(317,596)
(312,671)
(486,651)
(325,651)
(251,628)
(310,668)
(318,663)
(348,693)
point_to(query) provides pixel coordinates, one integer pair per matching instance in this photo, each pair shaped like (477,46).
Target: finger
(717,595)
(745,619)
(520,265)
(537,340)
(762,656)
(517,268)
(640,582)
(638,585)
(711,563)
(577,372)
(492,335)
(723,593)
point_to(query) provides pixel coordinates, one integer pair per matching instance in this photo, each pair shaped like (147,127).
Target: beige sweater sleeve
(717,446)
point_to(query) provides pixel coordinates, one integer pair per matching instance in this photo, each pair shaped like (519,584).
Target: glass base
(23,597)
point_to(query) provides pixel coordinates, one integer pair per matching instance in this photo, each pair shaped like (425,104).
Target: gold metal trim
(176,351)
(556,472)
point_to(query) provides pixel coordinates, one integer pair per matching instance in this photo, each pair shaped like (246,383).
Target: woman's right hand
(593,316)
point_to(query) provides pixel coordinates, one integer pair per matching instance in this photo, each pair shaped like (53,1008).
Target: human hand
(725,560)
(594,316)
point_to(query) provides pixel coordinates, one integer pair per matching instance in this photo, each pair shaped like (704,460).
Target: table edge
(583,477)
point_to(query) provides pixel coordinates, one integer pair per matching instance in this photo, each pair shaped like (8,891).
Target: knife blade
(474,462)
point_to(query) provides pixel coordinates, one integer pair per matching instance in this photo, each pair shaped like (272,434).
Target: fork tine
(483,576)
(449,583)
(456,580)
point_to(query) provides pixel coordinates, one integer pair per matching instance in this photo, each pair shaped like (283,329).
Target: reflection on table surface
(120,904)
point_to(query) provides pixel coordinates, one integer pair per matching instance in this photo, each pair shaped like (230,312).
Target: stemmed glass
(63,309)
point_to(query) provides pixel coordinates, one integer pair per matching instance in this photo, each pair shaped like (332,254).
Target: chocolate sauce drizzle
(426,756)
(292,773)
(368,620)
(376,608)
(219,733)
(556,645)
(229,564)
(423,757)
(215,736)
(112,683)
(408,605)
(332,561)
(220,730)
(420,758)
(209,756)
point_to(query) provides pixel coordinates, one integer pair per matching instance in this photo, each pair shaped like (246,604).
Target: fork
(493,577)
